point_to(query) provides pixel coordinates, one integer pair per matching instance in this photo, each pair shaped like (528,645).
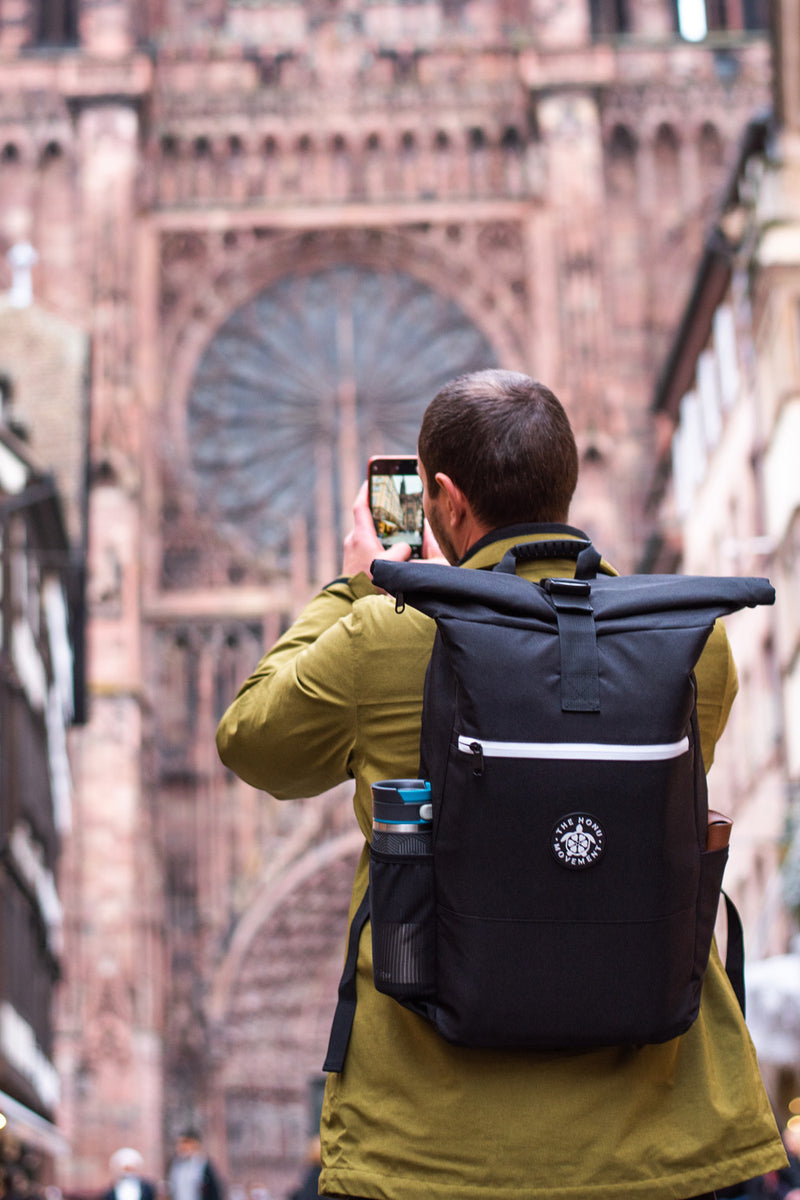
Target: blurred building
(386,505)
(276,228)
(728,497)
(39,618)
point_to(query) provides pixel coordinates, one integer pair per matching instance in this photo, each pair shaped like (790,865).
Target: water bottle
(402,898)
(402,816)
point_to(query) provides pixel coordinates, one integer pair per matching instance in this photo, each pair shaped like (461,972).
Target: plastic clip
(567,587)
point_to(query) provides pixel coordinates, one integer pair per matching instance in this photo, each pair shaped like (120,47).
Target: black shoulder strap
(346,1004)
(734,953)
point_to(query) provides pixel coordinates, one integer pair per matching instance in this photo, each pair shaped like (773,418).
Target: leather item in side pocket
(719,830)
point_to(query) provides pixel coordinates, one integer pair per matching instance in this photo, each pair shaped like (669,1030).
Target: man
(128,1181)
(191,1174)
(412,1116)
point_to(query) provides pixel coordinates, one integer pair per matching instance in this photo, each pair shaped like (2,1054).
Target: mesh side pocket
(402,915)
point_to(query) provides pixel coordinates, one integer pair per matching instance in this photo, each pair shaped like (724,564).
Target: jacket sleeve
(717,685)
(291,728)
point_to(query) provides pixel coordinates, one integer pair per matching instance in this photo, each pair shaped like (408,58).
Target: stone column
(572,137)
(105,28)
(109,1042)
(15,19)
(653,18)
(787,62)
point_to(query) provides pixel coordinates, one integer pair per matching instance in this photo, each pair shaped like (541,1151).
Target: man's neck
(522,531)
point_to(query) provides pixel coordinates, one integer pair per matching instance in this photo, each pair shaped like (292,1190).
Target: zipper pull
(477,753)
(400,603)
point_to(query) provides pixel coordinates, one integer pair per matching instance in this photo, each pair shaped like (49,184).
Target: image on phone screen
(396,504)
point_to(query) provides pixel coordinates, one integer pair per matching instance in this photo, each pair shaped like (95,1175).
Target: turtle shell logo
(578,841)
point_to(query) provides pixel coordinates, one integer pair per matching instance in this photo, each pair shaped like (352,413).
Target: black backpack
(569,898)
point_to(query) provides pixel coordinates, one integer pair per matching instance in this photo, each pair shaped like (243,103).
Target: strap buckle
(567,587)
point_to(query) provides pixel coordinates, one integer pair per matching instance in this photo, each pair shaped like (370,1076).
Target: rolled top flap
(436,589)
(431,587)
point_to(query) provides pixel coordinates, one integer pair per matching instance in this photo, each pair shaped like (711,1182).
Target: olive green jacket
(411,1116)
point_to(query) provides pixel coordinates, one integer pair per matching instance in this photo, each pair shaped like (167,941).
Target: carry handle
(587,559)
(577,635)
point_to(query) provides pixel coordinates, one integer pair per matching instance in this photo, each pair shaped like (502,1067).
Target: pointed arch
(268,901)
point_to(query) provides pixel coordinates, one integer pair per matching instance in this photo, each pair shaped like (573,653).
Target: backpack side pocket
(402,916)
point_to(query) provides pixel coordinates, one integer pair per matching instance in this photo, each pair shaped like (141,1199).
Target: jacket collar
(489,549)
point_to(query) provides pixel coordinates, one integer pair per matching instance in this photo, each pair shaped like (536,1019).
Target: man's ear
(456,503)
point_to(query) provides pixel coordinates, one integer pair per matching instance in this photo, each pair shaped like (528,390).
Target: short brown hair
(506,442)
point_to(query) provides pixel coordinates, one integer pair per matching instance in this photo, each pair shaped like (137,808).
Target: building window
(608,17)
(697,18)
(57,23)
(737,14)
(756,14)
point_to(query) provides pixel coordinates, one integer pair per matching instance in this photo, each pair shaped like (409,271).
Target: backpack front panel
(567,859)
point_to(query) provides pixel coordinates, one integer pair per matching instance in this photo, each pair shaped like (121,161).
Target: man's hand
(362,543)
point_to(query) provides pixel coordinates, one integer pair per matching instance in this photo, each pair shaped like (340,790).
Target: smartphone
(395,500)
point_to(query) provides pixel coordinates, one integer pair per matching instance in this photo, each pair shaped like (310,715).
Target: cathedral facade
(278,226)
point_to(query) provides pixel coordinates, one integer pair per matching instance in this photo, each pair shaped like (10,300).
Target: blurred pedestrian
(192,1175)
(308,1188)
(785,1184)
(18,1184)
(127,1173)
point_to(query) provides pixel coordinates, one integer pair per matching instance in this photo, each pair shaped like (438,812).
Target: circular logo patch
(578,841)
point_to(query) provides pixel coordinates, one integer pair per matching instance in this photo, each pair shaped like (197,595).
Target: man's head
(504,442)
(126,1162)
(188,1143)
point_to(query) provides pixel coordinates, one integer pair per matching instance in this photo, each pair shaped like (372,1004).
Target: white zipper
(598,751)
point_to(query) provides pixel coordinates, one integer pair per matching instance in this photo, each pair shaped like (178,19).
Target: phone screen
(395,500)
